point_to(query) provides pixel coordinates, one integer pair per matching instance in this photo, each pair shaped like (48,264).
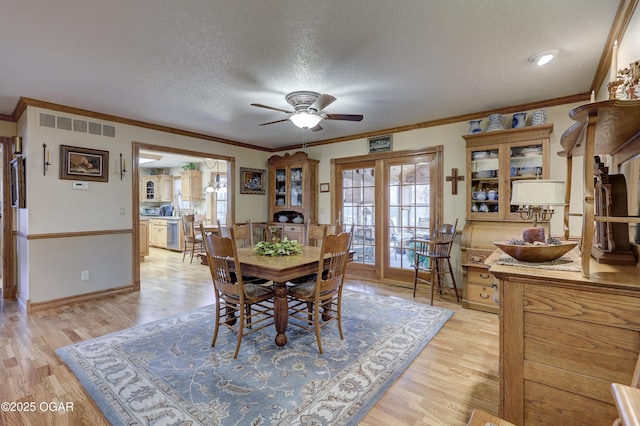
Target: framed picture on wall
(380,144)
(252,181)
(84,164)
(18,189)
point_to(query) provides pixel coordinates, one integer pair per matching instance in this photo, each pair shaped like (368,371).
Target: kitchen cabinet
(293,187)
(156,188)
(564,339)
(494,161)
(608,129)
(191,185)
(144,239)
(148,188)
(158,233)
(165,187)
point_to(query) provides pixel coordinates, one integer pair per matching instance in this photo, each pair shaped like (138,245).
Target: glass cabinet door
(280,187)
(485,187)
(296,187)
(526,162)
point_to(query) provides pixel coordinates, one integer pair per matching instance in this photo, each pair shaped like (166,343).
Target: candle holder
(45,159)
(123,167)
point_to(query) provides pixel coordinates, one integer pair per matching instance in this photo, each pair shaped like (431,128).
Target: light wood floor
(455,373)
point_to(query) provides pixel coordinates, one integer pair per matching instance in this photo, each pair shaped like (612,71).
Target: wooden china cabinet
(494,161)
(293,193)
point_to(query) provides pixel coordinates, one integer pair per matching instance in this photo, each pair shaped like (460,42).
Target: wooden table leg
(281,314)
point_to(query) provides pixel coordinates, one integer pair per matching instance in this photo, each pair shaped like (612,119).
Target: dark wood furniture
(494,161)
(433,256)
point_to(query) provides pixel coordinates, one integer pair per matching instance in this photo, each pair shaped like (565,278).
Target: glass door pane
(409,210)
(358,208)
(296,187)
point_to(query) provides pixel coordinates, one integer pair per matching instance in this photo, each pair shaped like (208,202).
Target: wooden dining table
(280,269)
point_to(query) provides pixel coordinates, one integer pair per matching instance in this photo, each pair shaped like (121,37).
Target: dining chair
(192,239)
(316,231)
(307,299)
(433,256)
(251,302)
(243,234)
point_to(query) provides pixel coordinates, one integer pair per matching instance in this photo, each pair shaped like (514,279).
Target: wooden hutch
(566,336)
(293,193)
(495,160)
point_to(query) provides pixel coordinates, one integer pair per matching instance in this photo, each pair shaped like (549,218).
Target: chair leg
(415,282)
(317,324)
(215,331)
(240,331)
(184,253)
(433,284)
(453,280)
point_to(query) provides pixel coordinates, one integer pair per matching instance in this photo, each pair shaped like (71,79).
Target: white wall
(50,268)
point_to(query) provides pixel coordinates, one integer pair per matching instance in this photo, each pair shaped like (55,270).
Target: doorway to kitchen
(198,187)
(390,198)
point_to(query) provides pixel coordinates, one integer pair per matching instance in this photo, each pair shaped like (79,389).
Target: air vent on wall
(80,126)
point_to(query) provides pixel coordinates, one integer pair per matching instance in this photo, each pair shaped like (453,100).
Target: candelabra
(45,159)
(535,200)
(123,167)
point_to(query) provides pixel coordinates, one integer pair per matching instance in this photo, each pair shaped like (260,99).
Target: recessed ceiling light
(544,57)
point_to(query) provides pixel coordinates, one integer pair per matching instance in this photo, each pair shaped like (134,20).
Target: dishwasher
(173,235)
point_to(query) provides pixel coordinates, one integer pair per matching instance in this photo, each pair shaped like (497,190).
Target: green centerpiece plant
(285,247)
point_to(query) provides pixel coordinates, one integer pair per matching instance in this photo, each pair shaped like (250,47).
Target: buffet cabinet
(494,161)
(293,188)
(564,339)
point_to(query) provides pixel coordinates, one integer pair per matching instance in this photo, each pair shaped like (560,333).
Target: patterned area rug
(166,372)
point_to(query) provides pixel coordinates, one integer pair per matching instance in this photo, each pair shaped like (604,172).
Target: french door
(389,199)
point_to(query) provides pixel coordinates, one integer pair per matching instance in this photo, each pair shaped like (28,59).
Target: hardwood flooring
(455,373)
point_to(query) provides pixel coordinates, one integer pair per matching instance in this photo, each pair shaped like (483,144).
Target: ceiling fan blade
(347,117)
(322,102)
(272,122)
(316,128)
(273,108)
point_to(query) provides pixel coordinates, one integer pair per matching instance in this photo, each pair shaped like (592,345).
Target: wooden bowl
(536,253)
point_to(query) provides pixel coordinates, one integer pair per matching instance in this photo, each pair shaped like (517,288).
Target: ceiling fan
(307,107)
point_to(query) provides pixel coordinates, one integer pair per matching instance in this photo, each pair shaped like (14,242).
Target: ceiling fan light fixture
(305,120)
(544,57)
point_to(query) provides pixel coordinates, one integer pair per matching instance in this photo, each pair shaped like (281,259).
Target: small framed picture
(324,187)
(380,144)
(83,164)
(252,181)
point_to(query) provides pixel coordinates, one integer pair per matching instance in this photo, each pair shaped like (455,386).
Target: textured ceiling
(198,65)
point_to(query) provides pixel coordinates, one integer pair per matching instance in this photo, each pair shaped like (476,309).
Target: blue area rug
(166,372)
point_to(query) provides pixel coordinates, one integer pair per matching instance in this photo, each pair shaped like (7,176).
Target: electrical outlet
(84,275)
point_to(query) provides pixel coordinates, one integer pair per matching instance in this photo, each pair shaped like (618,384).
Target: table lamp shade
(537,192)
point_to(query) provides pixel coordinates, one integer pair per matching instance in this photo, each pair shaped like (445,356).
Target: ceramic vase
(497,122)
(519,120)
(474,126)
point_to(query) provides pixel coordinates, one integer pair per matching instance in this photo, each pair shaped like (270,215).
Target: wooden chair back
(242,234)
(330,279)
(315,233)
(225,282)
(188,225)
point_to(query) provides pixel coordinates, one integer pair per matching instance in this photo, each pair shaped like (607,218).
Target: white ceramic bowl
(282,219)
